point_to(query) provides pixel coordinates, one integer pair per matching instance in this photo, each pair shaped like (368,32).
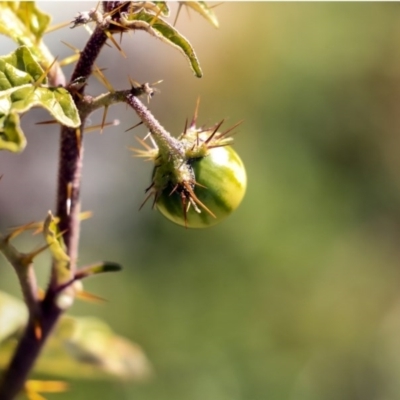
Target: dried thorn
(69,197)
(17,231)
(115,122)
(90,297)
(177,14)
(174,189)
(45,72)
(78,134)
(193,123)
(144,144)
(200,185)
(56,27)
(185,129)
(197,201)
(37,328)
(69,60)
(72,47)
(115,43)
(98,73)
(28,258)
(214,132)
(230,129)
(218,145)
(134,126)
(49,122)
(147,197)
(40,294)
(151,23)
(103,121)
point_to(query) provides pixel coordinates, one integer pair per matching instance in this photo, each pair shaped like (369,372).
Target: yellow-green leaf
(167,33)
(19,92)
(13,315)
(22,21)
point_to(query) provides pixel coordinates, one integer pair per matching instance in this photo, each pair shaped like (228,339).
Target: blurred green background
(297,295)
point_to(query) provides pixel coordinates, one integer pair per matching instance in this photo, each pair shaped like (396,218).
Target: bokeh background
(297,295)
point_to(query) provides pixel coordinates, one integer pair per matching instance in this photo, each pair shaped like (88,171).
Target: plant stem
(69,178)
(71,157)
(28,349)
(166,143)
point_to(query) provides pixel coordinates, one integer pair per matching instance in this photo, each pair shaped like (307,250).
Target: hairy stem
(69,178)
(165,142)
(71,157)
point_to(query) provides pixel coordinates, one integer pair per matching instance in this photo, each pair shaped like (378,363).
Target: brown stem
(71,156)
(69,178)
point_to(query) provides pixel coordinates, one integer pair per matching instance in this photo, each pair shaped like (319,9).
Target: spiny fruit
(198,182)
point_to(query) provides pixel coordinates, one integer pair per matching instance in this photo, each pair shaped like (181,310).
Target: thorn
(102,79)
(177,14)
(174,189)
(214,132)
(115,43)
(148,196)
(185,129)
(69,60)
(56,27)
(103,121)
(44,74)
(134,126)
(231,128)
(17,231)
(37,330)
(193,123)
(93,128)
(151,23)
(40,294)
(69,196)
(90,297)
(197,201)
(78,138)
(28,258)
(72,47)
(49,122)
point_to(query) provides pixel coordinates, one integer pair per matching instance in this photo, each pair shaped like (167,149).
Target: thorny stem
(69,177)
(165,142)
(71,156)
(41,323)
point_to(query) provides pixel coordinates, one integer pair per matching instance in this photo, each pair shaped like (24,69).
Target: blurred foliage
(296,296)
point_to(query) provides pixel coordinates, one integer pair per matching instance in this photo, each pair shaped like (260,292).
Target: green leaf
(13,315)
(164,31)
(11,136)
(86,348)
(90,341)
(23,22)
(19,92)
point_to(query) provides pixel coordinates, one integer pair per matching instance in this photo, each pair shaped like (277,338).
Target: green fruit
(218,189)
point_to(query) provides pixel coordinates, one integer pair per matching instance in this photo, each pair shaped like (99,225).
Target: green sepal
(19,92)
(61,261)
(79,347)
(167,33)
